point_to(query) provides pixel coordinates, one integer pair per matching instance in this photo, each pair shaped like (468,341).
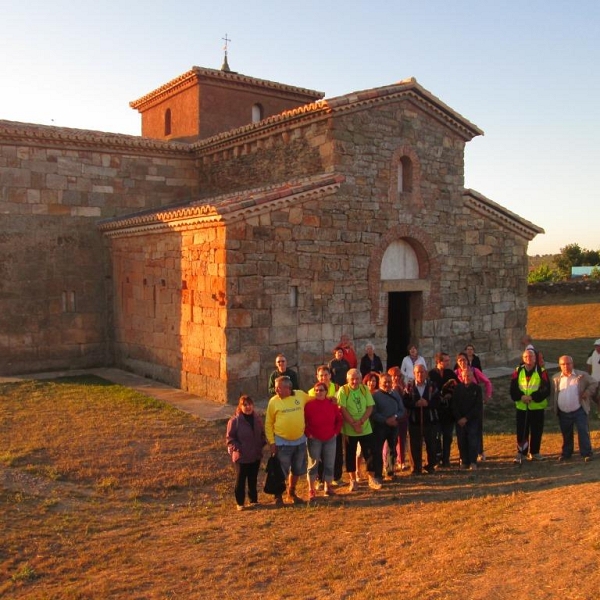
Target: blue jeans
(324,451)
(292,458)
(579,419)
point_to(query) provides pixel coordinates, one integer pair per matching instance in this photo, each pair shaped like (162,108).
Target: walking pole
(422,437)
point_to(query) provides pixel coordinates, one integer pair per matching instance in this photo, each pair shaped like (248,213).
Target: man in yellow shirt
(284,428)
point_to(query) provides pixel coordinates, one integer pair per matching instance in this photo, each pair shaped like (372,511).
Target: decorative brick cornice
(500,215)
(198,74)
(224,209)
(46,135)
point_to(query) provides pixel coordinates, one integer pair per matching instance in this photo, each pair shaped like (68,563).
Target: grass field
(105,493)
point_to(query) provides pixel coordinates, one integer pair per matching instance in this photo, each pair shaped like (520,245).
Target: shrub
(543,273)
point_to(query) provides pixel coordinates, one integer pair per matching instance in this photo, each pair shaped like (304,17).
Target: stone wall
(55,290)
(170,311)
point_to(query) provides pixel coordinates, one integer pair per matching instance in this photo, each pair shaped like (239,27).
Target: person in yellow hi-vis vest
(529,390)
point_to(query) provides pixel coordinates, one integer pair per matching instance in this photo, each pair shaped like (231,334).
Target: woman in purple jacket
(245,440)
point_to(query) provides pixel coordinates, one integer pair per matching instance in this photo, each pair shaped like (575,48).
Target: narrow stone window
(68,301)
(168,121)
(257,113)
(405,175)
(294,296)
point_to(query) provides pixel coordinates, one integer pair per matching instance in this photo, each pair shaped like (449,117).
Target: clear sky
(524,71)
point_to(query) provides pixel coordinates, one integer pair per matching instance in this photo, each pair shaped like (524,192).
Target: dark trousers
(383,433)
(530,427)
(246,472)
(467,437)
(419,434)
(445,433)
(366,445)
(338,466)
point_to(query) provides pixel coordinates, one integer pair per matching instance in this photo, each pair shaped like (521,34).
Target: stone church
(251,218)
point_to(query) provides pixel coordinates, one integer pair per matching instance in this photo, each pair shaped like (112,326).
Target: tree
(572,255)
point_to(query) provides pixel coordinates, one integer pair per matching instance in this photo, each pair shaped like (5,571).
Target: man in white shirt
(593,361)
(572,392)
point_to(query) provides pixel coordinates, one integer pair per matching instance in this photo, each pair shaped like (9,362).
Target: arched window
(168,121)
(405,175)
(257,113)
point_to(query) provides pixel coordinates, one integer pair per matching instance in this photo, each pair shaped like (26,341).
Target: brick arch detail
(415,194)
(429,268)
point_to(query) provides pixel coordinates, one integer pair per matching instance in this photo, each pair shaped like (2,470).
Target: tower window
(168,121)
(257,113)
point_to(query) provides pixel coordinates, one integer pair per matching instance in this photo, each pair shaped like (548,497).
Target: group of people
(371,414)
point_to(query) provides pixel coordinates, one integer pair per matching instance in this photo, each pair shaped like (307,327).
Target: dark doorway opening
(399,327)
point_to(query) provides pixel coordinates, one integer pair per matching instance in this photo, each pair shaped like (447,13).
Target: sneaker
(353,485)
(311,495)
(482,457)
(518,459)
(317,485)
(374,483)
(278,501)
(254,504)
(537,457)
(563,458)
(588,458)
(473,467)
(239,506)
(337,482)
(327,491)
(403,466)
(430,468)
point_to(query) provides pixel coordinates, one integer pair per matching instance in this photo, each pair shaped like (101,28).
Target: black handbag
(275,481)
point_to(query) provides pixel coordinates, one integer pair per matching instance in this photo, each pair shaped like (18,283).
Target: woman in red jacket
(323,421)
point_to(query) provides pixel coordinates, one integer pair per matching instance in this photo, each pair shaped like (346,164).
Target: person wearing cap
(593,361)
(571,394)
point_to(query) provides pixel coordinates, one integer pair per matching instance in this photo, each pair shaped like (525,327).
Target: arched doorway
(401,281)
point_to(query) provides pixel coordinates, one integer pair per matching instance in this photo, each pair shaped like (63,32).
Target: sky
(524,71)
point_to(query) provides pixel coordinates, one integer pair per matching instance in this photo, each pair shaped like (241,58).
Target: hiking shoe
(537,457)
(374,483)
(353,485)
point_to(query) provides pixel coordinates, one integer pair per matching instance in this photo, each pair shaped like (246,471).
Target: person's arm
(272,383)
(231,436)
(487,384)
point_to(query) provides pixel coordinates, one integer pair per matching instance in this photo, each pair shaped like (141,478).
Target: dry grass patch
(105,493)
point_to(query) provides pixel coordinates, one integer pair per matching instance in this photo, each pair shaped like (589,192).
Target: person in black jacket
(370,362)
(422,399)
(467,404)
